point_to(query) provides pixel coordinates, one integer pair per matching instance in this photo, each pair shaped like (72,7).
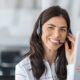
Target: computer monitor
(76,72)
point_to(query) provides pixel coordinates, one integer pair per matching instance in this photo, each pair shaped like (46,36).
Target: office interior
(17,19)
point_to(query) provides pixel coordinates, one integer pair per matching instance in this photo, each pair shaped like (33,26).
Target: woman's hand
(70,52)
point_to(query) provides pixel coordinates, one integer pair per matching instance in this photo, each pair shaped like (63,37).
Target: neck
(50,56)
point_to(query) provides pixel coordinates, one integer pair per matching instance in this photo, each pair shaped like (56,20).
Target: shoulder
(25,63)
(22,69)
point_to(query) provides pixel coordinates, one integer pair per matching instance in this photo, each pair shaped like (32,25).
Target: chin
(54,47)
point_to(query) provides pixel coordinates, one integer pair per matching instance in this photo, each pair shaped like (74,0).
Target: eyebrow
(55,26)
(52,25)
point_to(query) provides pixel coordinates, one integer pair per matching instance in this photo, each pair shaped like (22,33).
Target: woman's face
(54,33)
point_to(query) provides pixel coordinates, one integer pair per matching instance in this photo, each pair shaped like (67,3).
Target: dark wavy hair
(36,51)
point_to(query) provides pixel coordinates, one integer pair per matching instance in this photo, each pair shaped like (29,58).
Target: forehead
(57,21)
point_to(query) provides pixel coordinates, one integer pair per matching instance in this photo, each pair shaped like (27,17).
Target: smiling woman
(54,32)
(49,57)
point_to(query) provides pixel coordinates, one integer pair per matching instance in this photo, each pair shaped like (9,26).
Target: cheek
(45,34)
(64,37)
(43,37)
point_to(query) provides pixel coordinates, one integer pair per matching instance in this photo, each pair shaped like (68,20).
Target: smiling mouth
(57,42)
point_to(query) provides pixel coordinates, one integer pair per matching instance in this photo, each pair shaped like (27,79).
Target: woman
(51,48)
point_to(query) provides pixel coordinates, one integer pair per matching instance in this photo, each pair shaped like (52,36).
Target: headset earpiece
(38,29)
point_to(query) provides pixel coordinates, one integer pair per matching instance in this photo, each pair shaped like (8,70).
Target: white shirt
(23,71)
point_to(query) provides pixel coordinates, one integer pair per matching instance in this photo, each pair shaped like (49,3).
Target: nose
(56,33)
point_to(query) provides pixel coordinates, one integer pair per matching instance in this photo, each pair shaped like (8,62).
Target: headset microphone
(61,42)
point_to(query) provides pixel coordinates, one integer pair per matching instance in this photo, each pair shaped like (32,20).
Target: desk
(7,78)
(12,44)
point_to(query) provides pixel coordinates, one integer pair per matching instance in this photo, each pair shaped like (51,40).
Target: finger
(72,42)
(71,39)
(69,34)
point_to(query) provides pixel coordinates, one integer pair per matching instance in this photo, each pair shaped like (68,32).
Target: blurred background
(17,19)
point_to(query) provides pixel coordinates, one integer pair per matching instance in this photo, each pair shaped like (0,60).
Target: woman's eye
(63,30)
(50,27)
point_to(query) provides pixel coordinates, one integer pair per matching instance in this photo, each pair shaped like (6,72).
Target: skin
(54,31)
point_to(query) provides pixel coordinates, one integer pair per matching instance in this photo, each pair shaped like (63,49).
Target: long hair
(36,51)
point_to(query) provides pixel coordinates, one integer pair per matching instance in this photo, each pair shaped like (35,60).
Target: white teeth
(54,41)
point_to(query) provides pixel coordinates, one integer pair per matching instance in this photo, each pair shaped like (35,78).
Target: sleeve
(70,71)
(20,73)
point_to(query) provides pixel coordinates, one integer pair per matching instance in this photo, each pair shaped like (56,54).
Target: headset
(38,29)
(68,41)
